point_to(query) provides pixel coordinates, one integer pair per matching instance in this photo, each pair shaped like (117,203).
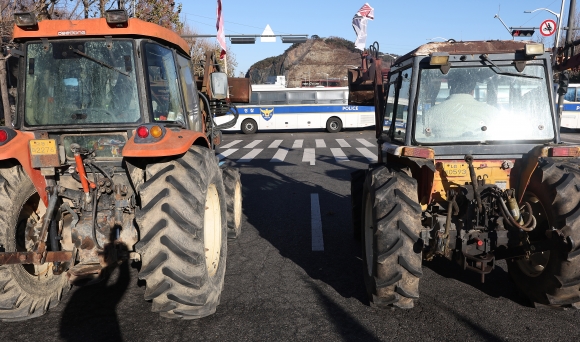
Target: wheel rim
(238,205)
(333,125)
(368,235)
(249,126)
(212,230)
(535,264)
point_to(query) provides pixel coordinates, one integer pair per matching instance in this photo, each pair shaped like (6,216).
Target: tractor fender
(15,149)
(174,142)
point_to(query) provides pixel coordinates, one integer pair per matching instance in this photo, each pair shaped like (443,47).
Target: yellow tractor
(470,168)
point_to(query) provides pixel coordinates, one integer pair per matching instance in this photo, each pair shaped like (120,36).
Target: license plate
(42,147)
(456,169)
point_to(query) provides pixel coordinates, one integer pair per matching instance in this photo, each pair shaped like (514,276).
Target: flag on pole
(359,23)
(221,37)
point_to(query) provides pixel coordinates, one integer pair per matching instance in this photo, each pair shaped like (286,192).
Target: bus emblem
(267,113)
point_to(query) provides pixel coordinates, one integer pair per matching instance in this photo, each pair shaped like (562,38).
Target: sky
(398,27)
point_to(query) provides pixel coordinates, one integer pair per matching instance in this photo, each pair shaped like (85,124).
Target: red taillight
(568,151)
(142,132)
(419,152)
(479,242)
(3,136)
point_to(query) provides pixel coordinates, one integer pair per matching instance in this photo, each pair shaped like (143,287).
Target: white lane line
(275,144)
(368,154)
(235,142)
(320,143)
(365,142)
(280,155)
(342,143)
(253,144)
(309,156)
(339,156)
(226,153)
(316,223)
(298,143)
(251,155)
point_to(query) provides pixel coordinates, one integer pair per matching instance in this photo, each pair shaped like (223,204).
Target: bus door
(571,110)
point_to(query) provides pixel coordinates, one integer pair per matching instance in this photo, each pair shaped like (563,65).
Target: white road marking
(280,155)
(298,143)
(235,142)
(226,153)
(320,143)
(309,156)
(275,144)
(316,223)
(251,155)
(365,142)
(368,154)
(253,144)
(342,143)
(339,156)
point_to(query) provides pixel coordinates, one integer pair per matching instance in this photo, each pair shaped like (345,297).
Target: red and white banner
(221,37)
(359,23)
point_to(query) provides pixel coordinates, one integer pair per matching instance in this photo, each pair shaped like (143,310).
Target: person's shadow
(90,314)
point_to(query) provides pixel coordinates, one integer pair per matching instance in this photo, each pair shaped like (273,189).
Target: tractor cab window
(479,104)
(398,105)
(77,82)
(164,95)
(189,90)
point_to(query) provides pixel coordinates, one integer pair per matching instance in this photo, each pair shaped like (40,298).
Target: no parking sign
(547,27)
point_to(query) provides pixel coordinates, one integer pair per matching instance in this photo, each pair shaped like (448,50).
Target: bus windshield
(478,104)
(81,82)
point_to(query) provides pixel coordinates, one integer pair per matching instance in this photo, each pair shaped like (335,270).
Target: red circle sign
(547,27)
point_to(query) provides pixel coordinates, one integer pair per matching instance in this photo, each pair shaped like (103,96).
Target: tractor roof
(99,28)
(466,48)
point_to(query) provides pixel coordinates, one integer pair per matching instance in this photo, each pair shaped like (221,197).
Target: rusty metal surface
(240,89)
(11,258)
(469,47)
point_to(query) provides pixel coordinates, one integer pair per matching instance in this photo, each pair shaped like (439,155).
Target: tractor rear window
(77,82)
(478,104)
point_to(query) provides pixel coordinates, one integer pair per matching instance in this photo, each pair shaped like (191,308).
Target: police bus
(274,107)
(571,108)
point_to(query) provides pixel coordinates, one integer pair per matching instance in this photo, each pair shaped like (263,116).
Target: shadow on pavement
(90,314)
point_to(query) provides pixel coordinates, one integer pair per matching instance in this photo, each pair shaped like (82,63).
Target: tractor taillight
(156,131)
(419,152)
(142,132)
(3,136)
(567,151)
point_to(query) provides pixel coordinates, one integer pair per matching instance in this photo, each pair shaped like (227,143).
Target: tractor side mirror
(219,85)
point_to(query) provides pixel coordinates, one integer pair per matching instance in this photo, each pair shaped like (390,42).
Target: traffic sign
(547,27)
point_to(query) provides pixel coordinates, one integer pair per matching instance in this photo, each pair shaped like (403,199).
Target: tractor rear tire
(357,179)
(390,236)
(233,187)
(26,291)
(183,246)
(552,278)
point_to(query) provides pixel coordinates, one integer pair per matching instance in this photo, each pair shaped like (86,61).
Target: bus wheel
(249,126)
(333,125)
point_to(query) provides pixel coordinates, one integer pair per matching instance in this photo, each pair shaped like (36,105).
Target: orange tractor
(109,158)
(470,168)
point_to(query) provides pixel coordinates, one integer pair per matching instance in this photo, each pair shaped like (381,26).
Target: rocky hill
(315,59)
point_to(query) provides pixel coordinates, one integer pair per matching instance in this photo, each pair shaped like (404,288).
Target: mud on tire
(26,291)
(183,246)
(233,187)
(390,237)
(557,282)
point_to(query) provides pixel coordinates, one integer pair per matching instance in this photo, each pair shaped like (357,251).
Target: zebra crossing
(340,149)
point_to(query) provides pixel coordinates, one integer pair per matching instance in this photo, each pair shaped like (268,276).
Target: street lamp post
(559,27)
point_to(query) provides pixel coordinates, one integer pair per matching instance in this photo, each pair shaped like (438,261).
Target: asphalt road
(278,289)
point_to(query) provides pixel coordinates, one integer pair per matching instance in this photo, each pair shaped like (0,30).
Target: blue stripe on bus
(572,107)
(305,109)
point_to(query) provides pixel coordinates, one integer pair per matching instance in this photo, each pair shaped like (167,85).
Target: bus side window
(570,95)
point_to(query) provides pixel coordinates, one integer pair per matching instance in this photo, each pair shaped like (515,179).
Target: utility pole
(568,53)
